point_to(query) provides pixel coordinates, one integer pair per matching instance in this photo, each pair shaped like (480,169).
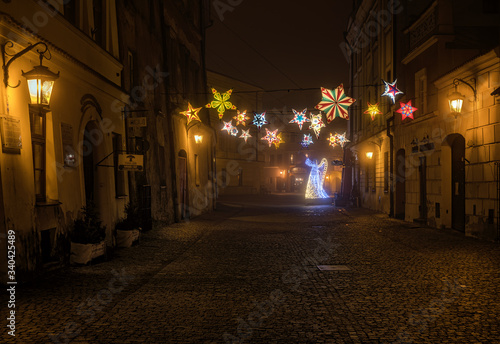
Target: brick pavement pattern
(248,273)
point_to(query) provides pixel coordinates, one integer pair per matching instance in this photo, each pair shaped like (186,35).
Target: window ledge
(48,203)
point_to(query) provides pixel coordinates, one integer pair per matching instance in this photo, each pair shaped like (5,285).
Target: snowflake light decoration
(227,126)
(335,103)
(241,118)
(391,90)
(300,118)
(234,131)
(191,114)
(221,102)
(271,137)
(245,134)
(316,123)
(373,110)
(406,110)
(259,119)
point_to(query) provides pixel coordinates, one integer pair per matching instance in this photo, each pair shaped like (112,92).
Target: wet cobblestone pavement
(248,273)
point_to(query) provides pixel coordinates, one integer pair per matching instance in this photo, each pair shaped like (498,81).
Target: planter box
(127,238)
(85,253)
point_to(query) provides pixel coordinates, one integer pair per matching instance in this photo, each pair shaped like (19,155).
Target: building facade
(436,166)
(126,71)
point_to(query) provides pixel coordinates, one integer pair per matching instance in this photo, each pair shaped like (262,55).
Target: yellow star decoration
(241,118)
(221,102)
(373,110)
(191,114)
(279,140)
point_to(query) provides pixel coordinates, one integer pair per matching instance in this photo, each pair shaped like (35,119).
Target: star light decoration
(307,140)
(335,103)
(316,124)
(341,139)
(406,110)
(191,114)
(391,90)
(227,126)
(259,119)
(300,118)
(245,134)
(373,110)
(221,102)
(278,141)
(234,131)
(241,118)
(332,140)
(271,137)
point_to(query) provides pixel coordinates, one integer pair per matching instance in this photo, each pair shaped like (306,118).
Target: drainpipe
(391,165)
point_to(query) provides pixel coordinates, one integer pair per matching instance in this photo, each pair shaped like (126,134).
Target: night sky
(281,45)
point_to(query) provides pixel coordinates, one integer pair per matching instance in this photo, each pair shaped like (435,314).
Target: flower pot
(85,253)
(126,238)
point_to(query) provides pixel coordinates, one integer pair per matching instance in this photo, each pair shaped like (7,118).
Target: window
(98,31)
(271,160)
(280,159)
(421,90)
(197,170)
(386,172)
(223,177)
(119,175)
(38,133)
(291,159)
(70,12)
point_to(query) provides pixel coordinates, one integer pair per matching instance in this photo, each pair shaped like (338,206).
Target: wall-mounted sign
(137,122)
(69,154)
(10,129)
(130,162)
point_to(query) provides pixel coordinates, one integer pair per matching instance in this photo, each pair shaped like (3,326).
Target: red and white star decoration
(245,134)
(271,137)
(391,90)
(406,110)
(227,126)
(300,118)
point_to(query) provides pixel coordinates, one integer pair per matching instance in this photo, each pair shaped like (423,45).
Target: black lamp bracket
(6,64)
(473,88)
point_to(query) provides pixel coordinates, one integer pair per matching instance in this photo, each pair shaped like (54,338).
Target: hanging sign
(130,162)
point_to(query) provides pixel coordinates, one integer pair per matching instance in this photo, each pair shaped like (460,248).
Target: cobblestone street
(248,273)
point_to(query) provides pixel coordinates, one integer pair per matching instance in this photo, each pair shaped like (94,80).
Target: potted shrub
(128,229)
(87,236)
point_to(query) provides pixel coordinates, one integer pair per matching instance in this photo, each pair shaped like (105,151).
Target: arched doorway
(183,194)
(400,193)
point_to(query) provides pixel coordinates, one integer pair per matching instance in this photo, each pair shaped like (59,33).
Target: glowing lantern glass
(198,139)
(456,100)
(40,84)
(369,155)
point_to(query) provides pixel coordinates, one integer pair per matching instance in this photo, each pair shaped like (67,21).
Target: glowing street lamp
(456,99)
(369,155)
(198,139)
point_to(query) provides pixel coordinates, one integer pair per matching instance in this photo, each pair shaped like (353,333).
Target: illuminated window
(291,159)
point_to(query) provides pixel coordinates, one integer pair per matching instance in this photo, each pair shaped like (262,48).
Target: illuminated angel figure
(316,179)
